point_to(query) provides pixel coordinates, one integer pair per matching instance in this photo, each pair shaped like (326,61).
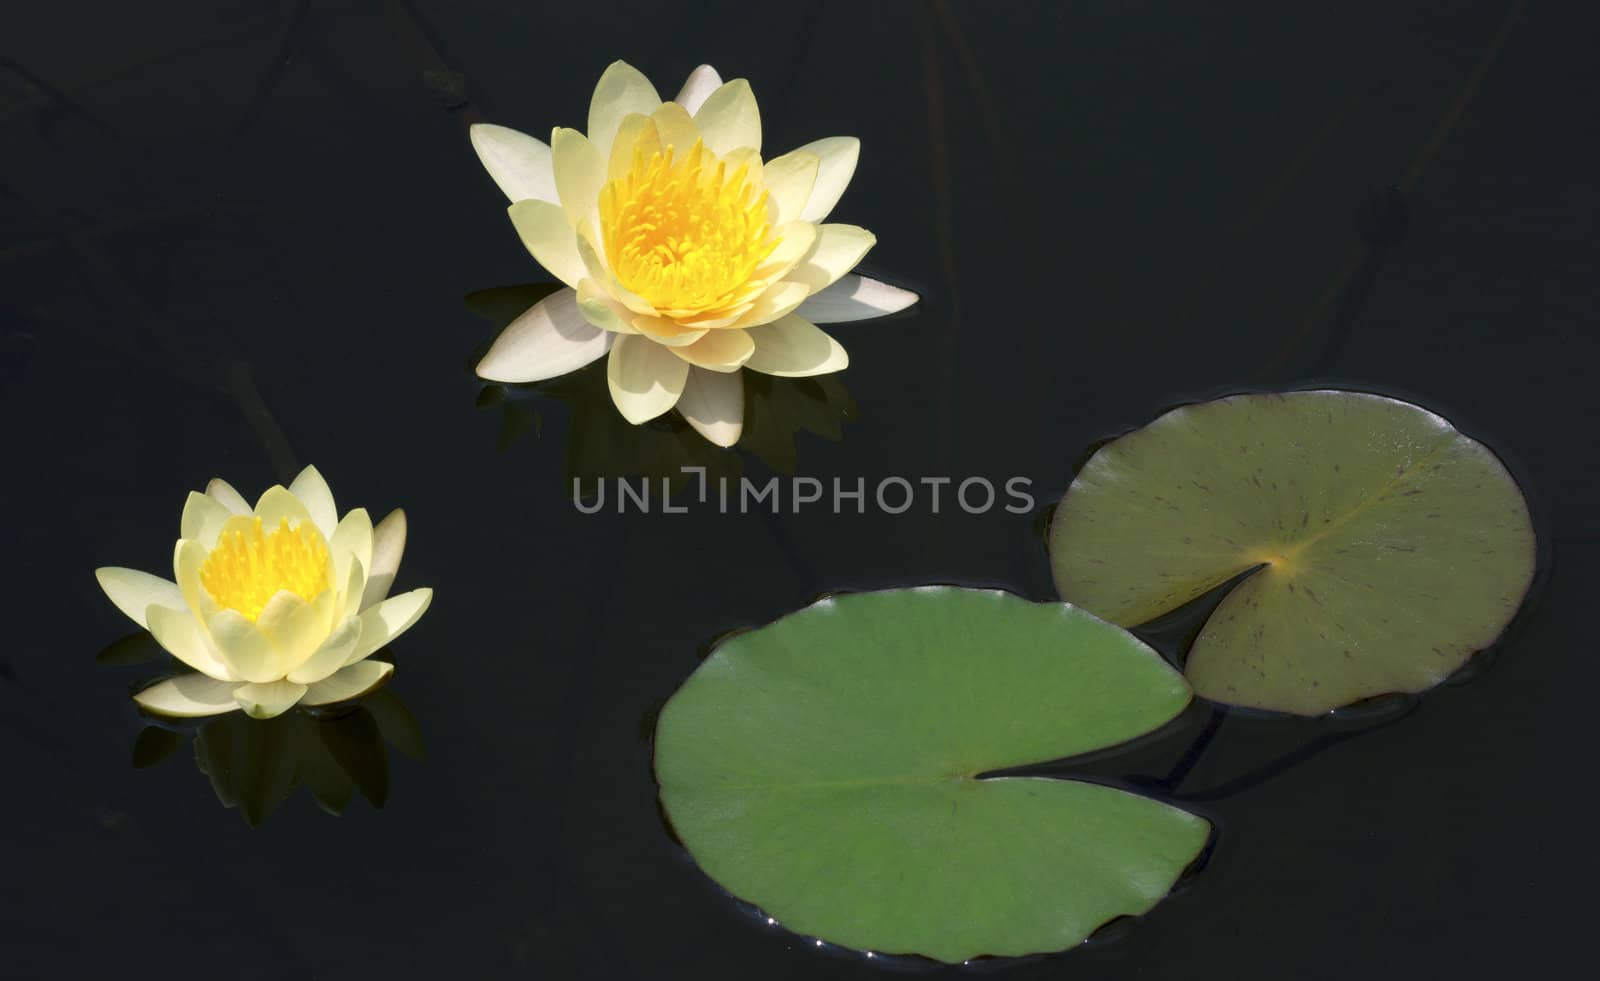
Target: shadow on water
(254,765)
(603,446)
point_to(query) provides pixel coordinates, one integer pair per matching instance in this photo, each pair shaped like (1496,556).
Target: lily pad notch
(1379,547)
(825,768)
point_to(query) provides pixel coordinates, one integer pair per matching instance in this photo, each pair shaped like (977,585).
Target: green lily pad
(829,769)
(1383,547)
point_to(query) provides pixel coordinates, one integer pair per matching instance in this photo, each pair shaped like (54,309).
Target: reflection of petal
(268,699)
(698,87)
(795,348)
(854,297)
(353,739)
(713,403)
(252,764)
(396,724)
(838,155)
(622,90)
(645,378)
(391,618)
(133,592)
(551,339)
(729,118)
(388,545)
(189,696)
(519,164)
(349,682)
(318,770)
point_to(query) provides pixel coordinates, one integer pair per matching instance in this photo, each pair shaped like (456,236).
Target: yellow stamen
(248,567)
(683,233)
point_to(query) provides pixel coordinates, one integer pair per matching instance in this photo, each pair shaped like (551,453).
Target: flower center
(684,234)
(248,566)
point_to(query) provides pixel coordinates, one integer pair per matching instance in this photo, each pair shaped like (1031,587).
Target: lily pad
(1383,547)
(829,768)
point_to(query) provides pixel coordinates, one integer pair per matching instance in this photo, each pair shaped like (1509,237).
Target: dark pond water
(236,238)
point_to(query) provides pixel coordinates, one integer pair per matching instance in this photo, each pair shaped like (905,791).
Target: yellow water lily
(685,255)
(273,606)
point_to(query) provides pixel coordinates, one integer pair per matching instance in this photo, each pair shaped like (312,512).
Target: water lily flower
(685,255)
(273,606)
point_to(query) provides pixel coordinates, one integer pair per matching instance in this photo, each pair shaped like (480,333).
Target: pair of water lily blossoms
(685,257)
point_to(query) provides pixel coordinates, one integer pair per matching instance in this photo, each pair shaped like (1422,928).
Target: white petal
(223,493)
(189,696)
(853,297)
(296,628)
(388,545)
(279,504)
(662,330)
(601,310)
(519,163)
(838,155)
(188,558)
(203,518)
(268,699)
(719,350)
(314,493)
(795,241)
(381,624)
(548,236)
(622,90)
(351,682)
(729,118)
(779,300)
(713,402)
(789,180)
(698,87)
(551,339)
(675,128)
(352,539)
(354,591)
(331,656)
(134,592)
(631,134)
(795,348)
(180,634)
(580,174)
(645,378)
(243,648)
(837,250)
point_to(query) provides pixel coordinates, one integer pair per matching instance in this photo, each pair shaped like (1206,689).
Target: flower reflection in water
(255,765)
(602,444)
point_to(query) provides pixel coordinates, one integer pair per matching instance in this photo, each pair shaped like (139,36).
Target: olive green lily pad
(828,768)
(1386,546)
